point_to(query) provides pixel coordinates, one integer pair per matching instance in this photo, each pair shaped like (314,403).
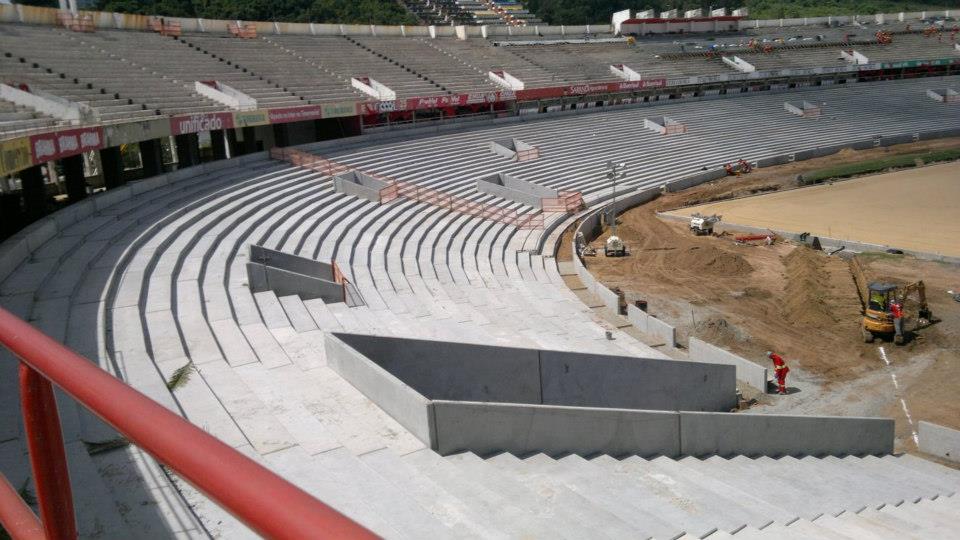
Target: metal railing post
(15,516)
(48,459)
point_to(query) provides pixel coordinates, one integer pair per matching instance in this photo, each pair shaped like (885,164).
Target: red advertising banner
(434,102)
(61,144)
(589,88)
(194,123)
(295,114)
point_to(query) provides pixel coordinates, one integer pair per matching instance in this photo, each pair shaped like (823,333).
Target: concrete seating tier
(94,60)
(153,278)
(174,61)
(277,65)
(346,58)
(452,73)
(14,118)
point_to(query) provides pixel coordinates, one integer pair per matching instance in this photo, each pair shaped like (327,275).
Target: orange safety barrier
(408,190)
(246,31)
(265,502)
(568,202)
(76,22)
(165,28)
(526,155)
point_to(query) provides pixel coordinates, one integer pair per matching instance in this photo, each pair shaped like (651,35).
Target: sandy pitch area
(914,209)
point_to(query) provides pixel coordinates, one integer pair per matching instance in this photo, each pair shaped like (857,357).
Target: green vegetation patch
(902,161)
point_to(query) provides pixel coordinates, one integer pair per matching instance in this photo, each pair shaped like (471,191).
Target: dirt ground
(797,301)
(895,209)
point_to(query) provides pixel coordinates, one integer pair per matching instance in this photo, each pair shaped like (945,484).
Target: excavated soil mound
(807,293)
(707,260)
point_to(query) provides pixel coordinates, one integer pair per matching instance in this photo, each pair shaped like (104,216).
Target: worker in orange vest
(896,312)
(780,369)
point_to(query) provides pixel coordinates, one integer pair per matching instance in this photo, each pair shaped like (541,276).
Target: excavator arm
(923,310)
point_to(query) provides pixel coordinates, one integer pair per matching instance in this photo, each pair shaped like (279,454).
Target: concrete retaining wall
(466,372)
(939,441)
(649,324)
(704,434)
(358,184)
(486,428)
(403,403)
(512,188)
(282,282)
(750,373)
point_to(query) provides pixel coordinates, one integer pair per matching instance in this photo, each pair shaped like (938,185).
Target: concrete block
(285,283)
(290,262)
(592,380)
(509,187)
(360,185)
(455,371)
(750,373)
(939,441)
(727,434)
(487,428)
(609,298)
(651,325)
(407,406)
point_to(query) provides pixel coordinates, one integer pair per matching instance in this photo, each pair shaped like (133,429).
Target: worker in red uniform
(896,312)
(780,369)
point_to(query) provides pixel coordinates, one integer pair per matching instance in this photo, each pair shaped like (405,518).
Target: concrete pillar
(281,135)
(219,144)
(188,150)
(11,216)
(112,166)
(34,193)
(249,140)
(233,145)
(76,182)
(151,157)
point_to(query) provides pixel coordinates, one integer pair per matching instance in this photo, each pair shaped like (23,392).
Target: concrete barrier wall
(939,441)
(696,180)
(466,372)
(403,403)
(704,434)
(649,324)
(291,262)
(750,373)
(486,428)
(282,282)
(590,380)
(609,298)
(511,188)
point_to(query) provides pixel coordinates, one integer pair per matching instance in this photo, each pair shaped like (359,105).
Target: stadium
(481,277)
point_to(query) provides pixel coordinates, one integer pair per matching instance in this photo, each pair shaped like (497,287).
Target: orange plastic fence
(165,28)
(407,190)
(77,22)
(526,155)
(246,31)
(568,202)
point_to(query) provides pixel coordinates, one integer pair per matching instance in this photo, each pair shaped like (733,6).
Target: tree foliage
(341,11)
(596,11)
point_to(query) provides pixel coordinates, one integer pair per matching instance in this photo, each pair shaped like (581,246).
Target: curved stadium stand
(149,277)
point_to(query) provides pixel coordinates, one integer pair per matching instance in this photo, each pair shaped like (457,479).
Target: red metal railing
(266,503)
(526,155)
(351,295)
(408,190)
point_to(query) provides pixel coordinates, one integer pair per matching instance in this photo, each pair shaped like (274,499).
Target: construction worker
(896,312)
(780,369)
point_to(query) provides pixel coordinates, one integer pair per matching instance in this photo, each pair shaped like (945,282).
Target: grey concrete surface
(408,407)
(750,373)
(510,187)
(454,371)
(939,441)
(651,325)
(589,380)
(358,184)
(704,434)
(486,428)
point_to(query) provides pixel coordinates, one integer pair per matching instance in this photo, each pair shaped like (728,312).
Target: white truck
(614,247)
(702,225)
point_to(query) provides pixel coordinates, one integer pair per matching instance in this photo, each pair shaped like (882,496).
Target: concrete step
(297,313)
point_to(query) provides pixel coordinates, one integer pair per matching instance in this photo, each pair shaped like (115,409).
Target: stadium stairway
(154,280)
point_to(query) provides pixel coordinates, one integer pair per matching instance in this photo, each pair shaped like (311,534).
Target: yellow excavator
(876,297)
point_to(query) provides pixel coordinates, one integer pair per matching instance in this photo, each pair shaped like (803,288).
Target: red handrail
(265,502)
(16,516)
